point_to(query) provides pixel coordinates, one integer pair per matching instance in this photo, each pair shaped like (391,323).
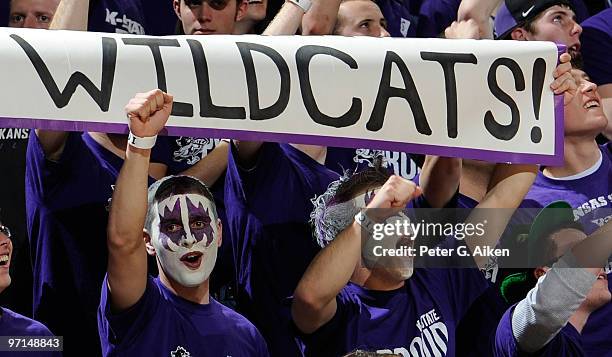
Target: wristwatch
(365,221)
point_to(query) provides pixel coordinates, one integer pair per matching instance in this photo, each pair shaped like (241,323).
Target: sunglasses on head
(5,230)
(215,4)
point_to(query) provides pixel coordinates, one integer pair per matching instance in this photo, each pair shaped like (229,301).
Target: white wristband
(142,143)
(303,4)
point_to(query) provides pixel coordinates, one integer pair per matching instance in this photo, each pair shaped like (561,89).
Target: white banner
(480,99)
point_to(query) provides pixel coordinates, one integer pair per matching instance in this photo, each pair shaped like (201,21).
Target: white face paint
(186,238)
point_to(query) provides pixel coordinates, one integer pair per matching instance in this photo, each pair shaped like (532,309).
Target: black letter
(178,108)
(251,76)
(504,132)
(303,57)
(447,61)
(207,108)
(61,99)
(385,92)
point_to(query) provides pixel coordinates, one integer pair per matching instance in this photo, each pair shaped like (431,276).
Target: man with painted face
(12,323)
(175,221)
(347,300)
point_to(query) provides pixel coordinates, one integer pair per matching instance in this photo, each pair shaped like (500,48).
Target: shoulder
(21,325)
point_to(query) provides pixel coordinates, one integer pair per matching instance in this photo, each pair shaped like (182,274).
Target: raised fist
(393,196)
(148,112)
(465,29)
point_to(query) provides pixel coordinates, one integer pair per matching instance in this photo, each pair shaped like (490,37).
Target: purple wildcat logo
(174,227)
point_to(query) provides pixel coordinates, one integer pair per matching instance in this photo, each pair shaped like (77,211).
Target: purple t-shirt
(596,41)
(418,18)
(67,212)
(400,163)
(566,343)
(596,334)
(136,17)
(268,212)
(14,324)
(418,319)
(591,196)
(164,324)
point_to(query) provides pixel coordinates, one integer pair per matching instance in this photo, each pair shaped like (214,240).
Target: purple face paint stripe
(478,154)
(173,215)
(202,213)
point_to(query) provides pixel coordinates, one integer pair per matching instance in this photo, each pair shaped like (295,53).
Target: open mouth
(255,2)
(602,276)
(591,104)
(574,48)
(192,260)
(4,259)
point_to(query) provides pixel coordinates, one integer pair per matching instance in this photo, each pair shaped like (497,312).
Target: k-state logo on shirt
(193,149)
(123,24)
(180,352)
(433,340)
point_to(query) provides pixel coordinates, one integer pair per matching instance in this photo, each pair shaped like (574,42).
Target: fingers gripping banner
(486,100)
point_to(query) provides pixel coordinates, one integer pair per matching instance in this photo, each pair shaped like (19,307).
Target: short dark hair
(176,185)
(375,176)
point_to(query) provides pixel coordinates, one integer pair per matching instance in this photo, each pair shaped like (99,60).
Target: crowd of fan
(188,246)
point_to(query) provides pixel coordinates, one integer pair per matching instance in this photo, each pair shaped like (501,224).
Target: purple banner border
(478,154)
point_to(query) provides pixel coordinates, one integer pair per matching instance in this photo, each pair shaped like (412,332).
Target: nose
(205,12)
(576,29)
(188,240)
(589,86)
(30,22)
(4,240)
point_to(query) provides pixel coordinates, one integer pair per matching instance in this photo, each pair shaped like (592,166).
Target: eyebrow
(565,12)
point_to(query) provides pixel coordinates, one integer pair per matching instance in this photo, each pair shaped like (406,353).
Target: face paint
(185,238)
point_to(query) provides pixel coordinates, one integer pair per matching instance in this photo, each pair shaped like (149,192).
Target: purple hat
(514,13)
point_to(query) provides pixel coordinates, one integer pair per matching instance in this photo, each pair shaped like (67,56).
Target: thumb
(168,99)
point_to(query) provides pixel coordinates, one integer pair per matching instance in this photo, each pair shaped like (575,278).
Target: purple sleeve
(596,41)
(505,344)
(328,339)
(123,328)
(46,175)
